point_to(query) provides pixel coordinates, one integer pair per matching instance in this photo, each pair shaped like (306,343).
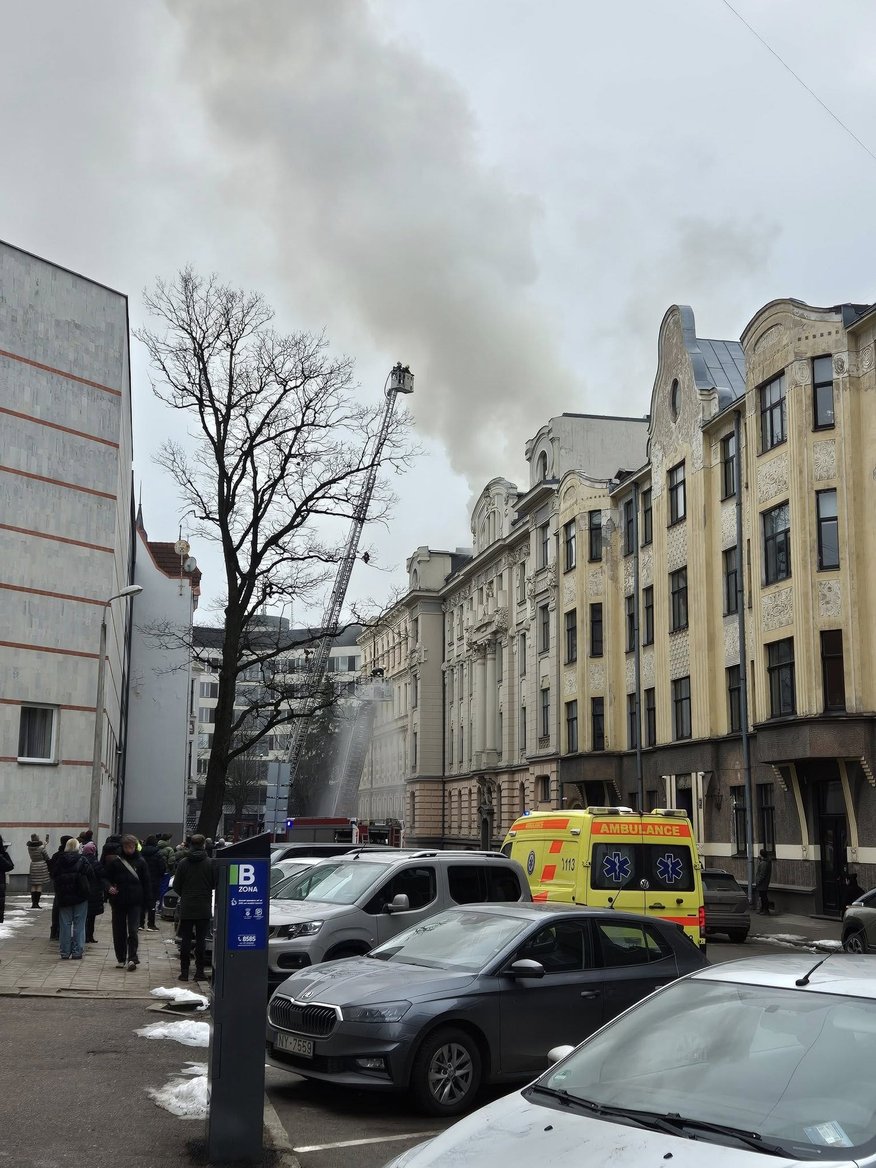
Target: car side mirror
(557,1053)
(399,903)
(525,967)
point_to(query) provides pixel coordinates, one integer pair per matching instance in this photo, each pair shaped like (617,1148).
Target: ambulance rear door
(615,875)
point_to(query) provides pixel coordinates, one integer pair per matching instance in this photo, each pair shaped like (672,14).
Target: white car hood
(288,912)
(514,1133)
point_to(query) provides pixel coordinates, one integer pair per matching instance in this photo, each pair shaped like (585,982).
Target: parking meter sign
(248,905)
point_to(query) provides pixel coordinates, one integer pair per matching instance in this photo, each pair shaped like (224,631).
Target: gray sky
(505,194)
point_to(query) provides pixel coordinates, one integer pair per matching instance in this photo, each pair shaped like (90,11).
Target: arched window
(674,399)
(413,810)
(542,471)
(415,579)
(470,818)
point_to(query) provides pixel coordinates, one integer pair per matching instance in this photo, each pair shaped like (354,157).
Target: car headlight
(302,929)
(382,1012)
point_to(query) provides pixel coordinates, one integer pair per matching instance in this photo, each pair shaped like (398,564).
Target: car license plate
(293,1045)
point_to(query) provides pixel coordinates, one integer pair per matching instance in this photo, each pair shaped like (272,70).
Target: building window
(681,707)
(629,528)
(415,692)
(734,698)
(569,545)
(828,529)
(542,788)
(832,670)
(545,713)
(500,663)
(650,717)
(822,393)
(500,735)
(207,714)
(737,796)
(597,723)
(595,630)
(414,750)
(677,501)
(766,813)
(571,636)
(521,736)
(647,517)
(521,651)
(544,628)
(595,533)
(572,727)
(780,667)
(36,733)
(543,545)
(777,543)
(542,471)
(451,755)
(728,466)
(674,396)
(731,581)
(772,413)
(521,582)
(209,689)
(678,600)
(632,722)
(630,615)
(461,743)
(648,615)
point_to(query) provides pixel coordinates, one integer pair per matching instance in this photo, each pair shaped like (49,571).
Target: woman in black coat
(96,898)
(6,865)
(157,866)
(126,879)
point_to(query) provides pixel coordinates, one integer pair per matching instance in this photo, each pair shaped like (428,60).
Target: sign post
(235,1120)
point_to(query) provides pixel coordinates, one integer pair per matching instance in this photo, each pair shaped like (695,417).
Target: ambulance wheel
(446,1074)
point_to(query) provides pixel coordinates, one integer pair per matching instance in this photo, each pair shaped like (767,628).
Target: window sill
(826,426)
(779,580)
(37,761)
(680,629)
(571,568)
(591,560)
(675,522)
(732,495)
(775,446)
(832,568)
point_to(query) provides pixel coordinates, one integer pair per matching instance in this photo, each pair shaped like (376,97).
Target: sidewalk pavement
(75,1078)
(788,929)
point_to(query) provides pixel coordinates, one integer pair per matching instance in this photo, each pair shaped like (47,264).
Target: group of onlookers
(132,878)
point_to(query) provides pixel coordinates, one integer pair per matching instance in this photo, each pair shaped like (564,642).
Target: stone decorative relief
(865,359)
(568,592)
(570,682)
(824,460)
(840,363)
(628,575)
(629,674)
(728,525)
(830,598)
(676,546)
(731,641)
(646,566)
(679,654)
(647,669)
(772,478)
(772,336)
(596,581)
(596,680)
(801,372)
(777,609)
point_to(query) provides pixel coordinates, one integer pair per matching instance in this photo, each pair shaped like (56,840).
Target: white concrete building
(65,543)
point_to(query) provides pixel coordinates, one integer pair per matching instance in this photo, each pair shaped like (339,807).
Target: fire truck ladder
(400,380)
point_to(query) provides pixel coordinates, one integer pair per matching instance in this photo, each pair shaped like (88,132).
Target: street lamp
(94,805)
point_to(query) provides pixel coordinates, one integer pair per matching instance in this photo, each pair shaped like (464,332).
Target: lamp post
(94,804)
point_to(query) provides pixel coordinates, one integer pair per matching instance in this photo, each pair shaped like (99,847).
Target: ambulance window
(627,944)
(506,849)
(613,866)
(468,884)
(564,947)
(668,868)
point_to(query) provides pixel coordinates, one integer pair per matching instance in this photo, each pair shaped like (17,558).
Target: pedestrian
(851,889)
(72,880)
(194,881)
(6,865)
(38,875)
(96,899)
(168,854)
(56,906)
(762,876)
(151,853)
(126,879)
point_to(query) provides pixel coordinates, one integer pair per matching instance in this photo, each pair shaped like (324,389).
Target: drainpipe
(637,651)
(443,730)
(743,662)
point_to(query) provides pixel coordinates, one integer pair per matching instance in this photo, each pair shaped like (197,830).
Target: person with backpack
(126,879)
(6,865)
(71,875)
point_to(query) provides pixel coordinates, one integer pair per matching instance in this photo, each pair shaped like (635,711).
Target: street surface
(336,1128)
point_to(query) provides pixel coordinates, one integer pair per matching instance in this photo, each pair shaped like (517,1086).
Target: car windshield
(793,1066)
(285,870)
(341,883)
(461,941)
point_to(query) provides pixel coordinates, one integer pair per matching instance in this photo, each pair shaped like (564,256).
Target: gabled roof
(716,365)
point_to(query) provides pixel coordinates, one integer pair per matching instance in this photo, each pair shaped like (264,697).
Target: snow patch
(172,994)
(186,1095)
(14,918)
(188,1033)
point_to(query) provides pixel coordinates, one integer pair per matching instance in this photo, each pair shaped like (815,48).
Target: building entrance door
(833,833)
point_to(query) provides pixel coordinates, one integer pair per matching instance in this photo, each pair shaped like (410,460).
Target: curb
(818,945)
(277,1140)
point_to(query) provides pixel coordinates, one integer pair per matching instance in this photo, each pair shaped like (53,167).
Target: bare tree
(282,446)
(245,779)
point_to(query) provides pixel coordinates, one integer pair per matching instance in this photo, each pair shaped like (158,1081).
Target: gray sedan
(477,993)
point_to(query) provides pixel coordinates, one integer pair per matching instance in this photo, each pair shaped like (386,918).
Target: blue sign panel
(248,887)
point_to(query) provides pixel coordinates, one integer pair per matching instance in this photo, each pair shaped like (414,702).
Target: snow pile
(188,1033)
(179,996)
(832,945)
(784,939)
(186,1095)
(15,918)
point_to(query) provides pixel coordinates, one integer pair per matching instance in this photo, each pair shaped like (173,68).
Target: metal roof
(725,363)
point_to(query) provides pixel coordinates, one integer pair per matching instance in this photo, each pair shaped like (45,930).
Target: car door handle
(656,906)
(590,993)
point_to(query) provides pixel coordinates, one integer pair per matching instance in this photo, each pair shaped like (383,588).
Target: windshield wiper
(672,1121)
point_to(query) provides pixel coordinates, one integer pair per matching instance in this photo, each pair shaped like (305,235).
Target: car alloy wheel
(854,942)
(446,1073)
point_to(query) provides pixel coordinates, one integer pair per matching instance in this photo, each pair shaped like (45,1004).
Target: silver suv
(345,905)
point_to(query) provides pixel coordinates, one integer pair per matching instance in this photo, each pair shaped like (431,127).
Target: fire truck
(340,830)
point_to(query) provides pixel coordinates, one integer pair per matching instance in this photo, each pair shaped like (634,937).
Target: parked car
(727,907)
(474,994)
(292,851)
(859,925)
(282,872)
(763,1057)
(343,907)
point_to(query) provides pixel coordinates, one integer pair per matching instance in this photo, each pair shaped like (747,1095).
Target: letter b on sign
(246,874)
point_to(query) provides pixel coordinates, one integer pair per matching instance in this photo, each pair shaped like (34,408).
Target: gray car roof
(533,910)
(838,973)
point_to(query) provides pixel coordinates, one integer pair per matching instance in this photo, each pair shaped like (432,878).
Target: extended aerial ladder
(400,380)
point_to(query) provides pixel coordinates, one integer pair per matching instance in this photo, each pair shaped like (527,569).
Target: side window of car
(467,883)
(564,947)
(418,885)
(504,884)
(628,944)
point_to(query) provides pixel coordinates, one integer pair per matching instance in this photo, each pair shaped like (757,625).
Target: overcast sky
(504,194)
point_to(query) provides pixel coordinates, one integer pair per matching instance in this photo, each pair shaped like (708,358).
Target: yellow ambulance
(614,857)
